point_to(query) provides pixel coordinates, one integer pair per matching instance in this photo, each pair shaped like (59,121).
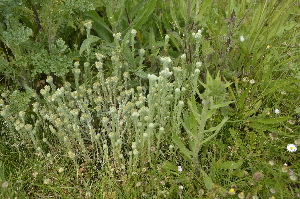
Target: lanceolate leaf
(272,120)
(231,164)
(141,17)
(85,44)
(99,25)
(182,147)
(144,13)
(207,182)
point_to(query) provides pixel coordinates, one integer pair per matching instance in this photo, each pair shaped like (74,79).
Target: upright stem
(200,135)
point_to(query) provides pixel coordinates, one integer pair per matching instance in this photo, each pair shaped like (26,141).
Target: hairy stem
(200,135)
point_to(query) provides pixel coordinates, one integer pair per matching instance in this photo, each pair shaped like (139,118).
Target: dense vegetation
(149,99)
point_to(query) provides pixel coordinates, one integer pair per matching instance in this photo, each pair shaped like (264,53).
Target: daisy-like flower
(291,148)
(242,38)
(241,195)
(277,111)
(293,178)
(4,184)
(179,168)
(231,191)
(252,81)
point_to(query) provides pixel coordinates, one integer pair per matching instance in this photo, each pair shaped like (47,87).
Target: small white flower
(60,170)
(293,178)
(242,38)
(179,168)
(291,148)
(198,64)
(133,31)
(183,56)
(252,81)
(277,111)
(180,187)
(88,25)
(197,35)
(117,36)
(142,51)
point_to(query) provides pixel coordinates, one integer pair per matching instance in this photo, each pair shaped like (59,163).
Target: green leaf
(218,127)
(101,28)
(254,109)
(141,17)
(86,43)
(141,74)
(204,6)
(193,108)
(271,121)
(169,166)
(241,101)
(231,164)
(129,56)
(207,182)
(216,106)
(182,147)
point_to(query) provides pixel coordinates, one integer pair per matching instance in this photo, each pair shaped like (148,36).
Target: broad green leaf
(231,164)
(169,166)
(142,16)
(99,25)
(129,56)
(207,182)
(87,42)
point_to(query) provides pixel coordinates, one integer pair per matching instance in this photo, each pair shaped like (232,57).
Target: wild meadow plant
(103,120)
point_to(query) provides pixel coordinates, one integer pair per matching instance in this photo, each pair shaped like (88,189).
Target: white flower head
(242,39)
(277,111)
(252,81)
(142,51)
(291,148)
(133,31)
(88,25)
(197,35)
(117,36)
(198,64)
(179,168)
(183,56)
